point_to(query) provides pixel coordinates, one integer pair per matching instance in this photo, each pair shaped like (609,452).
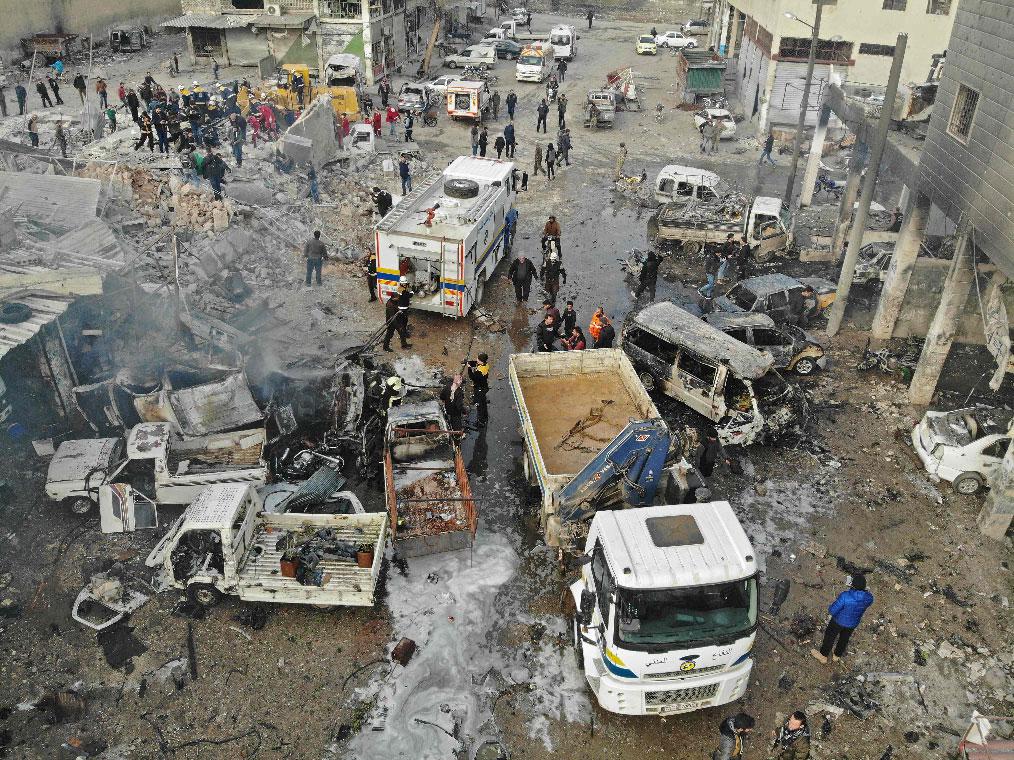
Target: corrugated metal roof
(287,20)
(67,201)
(44,310)
(209,21)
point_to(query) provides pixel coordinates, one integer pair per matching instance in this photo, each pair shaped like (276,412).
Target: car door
(775,342)
(652,357)
(776,305)
(990,455)
(694,381)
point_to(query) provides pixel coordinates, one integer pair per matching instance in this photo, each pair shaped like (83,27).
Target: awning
(286,21)
(208,21)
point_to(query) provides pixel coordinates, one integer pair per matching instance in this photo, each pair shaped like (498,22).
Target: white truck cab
(677,183)
(535,63)
(563,38)
(666,609)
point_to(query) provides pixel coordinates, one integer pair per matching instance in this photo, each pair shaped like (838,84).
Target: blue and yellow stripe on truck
(615,665)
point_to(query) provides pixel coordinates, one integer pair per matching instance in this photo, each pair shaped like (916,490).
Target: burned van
(677,354)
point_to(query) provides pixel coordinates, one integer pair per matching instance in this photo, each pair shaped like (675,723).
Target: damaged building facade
(856,43)
(384,33)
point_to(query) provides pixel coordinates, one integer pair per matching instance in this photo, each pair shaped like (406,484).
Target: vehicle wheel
(461,188)
(968,483)
(648,381)
(452,65)
(79,505)
(204,594)
(578,652)
(692,45)
(692,247)
(483,67)
(805,366)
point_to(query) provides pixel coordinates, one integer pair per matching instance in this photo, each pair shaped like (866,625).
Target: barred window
(868,48)
(831,51)
(895,5)
(963,113)
(939,7)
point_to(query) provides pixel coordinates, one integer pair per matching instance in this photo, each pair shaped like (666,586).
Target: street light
(790,184)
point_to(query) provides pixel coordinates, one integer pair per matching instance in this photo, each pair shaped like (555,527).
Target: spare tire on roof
(13,313)
(461,188)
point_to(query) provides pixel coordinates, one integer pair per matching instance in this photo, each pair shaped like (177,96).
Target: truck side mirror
(587,606)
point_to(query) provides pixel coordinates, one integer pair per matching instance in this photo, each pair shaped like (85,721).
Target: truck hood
(948,428)
(75,459)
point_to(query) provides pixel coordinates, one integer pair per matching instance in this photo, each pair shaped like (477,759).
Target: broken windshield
(742,297)
(530,60)
(698,616)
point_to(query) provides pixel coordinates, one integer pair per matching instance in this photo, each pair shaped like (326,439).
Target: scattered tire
(648,381)
(805,366)
(452,65)
(79,505)
(461,188)
(968,483)
(13,313)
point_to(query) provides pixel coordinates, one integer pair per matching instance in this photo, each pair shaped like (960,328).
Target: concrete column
(769,84)
(813,160)
(848,200)
(719,9)
(906,250)
(732,34)
(995,518)
(944,324)
(724,33)
(903,197)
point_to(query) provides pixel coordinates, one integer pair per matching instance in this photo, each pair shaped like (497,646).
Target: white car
(440,83)
(963,447)
(675,39)
(697,26)
(481,56)
(728,123)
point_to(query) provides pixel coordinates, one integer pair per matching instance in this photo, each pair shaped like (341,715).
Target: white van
(535,63)
(677,183)
(563,38)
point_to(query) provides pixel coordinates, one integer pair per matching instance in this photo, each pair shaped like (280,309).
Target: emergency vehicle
(446,237)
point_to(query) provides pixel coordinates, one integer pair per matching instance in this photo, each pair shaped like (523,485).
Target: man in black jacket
(478,373)
(54,85)
(521,273)
(607,335)
(396,313)
(40,87)
(648,277)
(551,272)
(453,397)
(80,86)
(547,334)
(543,112)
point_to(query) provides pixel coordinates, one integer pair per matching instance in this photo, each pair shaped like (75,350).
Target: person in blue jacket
(846,612)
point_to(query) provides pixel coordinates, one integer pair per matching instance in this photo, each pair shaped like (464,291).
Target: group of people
(452,393)
(563,326)
(734,257)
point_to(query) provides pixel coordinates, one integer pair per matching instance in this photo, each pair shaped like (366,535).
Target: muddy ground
(494,660)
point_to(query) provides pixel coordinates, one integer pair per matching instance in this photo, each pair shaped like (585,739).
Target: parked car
(416,96)
(675,39)
(482,57)
(777,295)
(728,122)
(646,45)
(963,447)
(508,50)
(440,83)
(874,260)
(790,346)
(697,26)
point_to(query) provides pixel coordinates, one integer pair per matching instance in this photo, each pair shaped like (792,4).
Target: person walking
(60,138)
(550,161)
(521,273)
(711,266)
(769,145)
(792,739)
(731,732)
(846,613)
(146,134)
(215,169)
(474,136)
(121,93)
(496,104)
(405,172)
(591,15)
(370,270)
(512,103)
(176,64)
(744,258)
(498,145)
(710,453)
(396,313)
(40,88)
(80,86)
(54,85)
(552,271)
(314,191)
(715,134)
(483,141)
(33,130)
(452,396)
(648,277)
(509,141)
(564,143)
(235,140)
(561,111)
(621,159)
(561,68)
(538,159)
(134,104)
(314,252)
(385,91)
(391,117)
(22,95)
(409,126)
(478,373)
(543,112)
(102,90)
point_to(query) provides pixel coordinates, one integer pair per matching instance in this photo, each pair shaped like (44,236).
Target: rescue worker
(521,274)
(371,275)
(732,731)
(597,321)
(452,395)
(648,278)
(314,251)
(551,273)
(607,333)
(396,313)
(478,373)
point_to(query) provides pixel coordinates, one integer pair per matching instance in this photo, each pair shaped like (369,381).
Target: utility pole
(805,105)
(848,265)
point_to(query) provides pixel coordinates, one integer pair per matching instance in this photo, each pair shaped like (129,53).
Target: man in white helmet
(396,313)
(551,272)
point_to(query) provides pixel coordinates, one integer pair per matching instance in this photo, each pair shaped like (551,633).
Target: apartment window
(342,8)
(895,5)
(939,7)
(963,113)
(868,48)
(828,51)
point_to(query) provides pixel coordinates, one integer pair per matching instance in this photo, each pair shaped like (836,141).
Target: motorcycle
(824,184)
(427,118)
(891,364)
(552,88)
